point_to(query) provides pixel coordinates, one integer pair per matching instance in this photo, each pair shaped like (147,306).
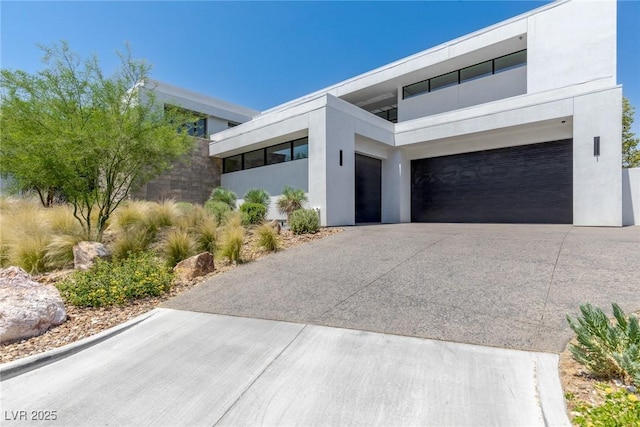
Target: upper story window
(483,69)
(232,124)
(285,152)
(197,128)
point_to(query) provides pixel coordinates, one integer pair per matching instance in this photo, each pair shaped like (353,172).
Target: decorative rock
(196,266)
(27,308)
(85,254)
(275,224)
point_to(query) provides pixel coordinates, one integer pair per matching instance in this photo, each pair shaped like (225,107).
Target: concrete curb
(20,366)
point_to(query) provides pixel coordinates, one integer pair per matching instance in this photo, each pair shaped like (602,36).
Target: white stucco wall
(271,178)
(631,196)
(485,89)
(597,182)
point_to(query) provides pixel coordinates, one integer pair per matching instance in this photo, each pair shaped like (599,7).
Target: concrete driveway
(213,358)
(497,285)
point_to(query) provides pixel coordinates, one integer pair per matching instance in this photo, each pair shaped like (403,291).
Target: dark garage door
(368,189)
(524,184)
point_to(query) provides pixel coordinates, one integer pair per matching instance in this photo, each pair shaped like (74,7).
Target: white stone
(85,254)
(27,308)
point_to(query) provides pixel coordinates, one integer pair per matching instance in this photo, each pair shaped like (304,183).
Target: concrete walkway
(498,285)
(179,368)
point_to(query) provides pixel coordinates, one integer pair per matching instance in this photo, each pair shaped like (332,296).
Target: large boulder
(27,308)
(85,254)
(196,266)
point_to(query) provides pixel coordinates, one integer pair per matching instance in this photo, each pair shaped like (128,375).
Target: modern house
(519,122)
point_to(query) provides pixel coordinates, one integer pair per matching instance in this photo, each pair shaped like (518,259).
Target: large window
(197,128)
(487,68)
(285,152)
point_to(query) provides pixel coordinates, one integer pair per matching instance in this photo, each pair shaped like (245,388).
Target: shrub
(106,284)
(304,221)
(268,238)
(232,242)
(607,350)
(291,200)
(219,210)
(29,253)
(620,408)
(221,194)
(130,215)
(258,196)
(206,235)
(178,246)
(252,213)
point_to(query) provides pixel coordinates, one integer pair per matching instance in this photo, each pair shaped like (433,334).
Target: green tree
(630,151)
(93,138)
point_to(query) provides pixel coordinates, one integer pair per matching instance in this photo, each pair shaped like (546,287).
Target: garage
(523,184)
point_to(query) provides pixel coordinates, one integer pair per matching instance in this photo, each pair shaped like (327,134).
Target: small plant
(221,194)
(268,239)
(620,408)
(139,276)
(253,213)
(162,214)
(61,221)
(304,221)
(607,350)
(131,242)
(178,246)
(29,253)
(290,201)
(206,235)
(232,242)
(235,219)
(130,215)
(219,210)
(259,196)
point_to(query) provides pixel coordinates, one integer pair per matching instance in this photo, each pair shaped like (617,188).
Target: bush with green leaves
(268,239)
(253,213)
(607,349)
(291,200)
(258,195)
(304,221)
(221,194)
(219,210)
(117,282)
(620,408)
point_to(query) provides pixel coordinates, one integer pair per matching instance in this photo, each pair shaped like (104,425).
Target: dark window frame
(243,165)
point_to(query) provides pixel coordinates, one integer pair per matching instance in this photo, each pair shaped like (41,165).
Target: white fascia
(515,111)
(281,126)
(198,102)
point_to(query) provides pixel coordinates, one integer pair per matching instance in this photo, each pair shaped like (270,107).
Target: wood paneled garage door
(523,184)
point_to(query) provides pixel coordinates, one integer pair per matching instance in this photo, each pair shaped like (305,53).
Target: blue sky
(261,54)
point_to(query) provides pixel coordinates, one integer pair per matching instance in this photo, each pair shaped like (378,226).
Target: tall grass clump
(131,242)
(231,247)
(59,251)
(25,236)
(206,235)
(607,349)
(178,246)
(268,239)
(163,214)
(130,215)
(62,222)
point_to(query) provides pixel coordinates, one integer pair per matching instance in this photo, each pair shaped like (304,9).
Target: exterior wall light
(340,157)
(596,146)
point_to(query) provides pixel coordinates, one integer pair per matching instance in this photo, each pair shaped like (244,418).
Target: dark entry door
(524,184)
(368,189)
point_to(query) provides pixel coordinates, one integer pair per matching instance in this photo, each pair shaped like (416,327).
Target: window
(279,153)
(300,149)
(443,81)
(390,114)
(254,159)
(232,164)
(511,61)
(232,124)
(476,71)
(197,128)
(486,68)
(285,152)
